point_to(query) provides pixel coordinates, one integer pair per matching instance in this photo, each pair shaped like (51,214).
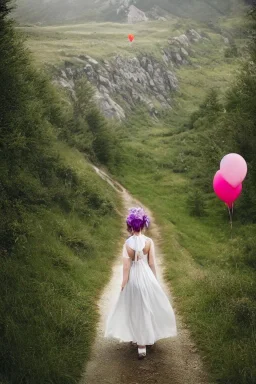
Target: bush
(89,131)
(244,310)
(231,51)
(249,252)
(208,111)
(196,203)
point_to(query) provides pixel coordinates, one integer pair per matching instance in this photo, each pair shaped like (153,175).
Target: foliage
(105,144)
(232,128)
(231,51)
(209,108)
(54,224)
(196,203)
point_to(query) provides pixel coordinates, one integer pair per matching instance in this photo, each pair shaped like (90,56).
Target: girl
(143,313)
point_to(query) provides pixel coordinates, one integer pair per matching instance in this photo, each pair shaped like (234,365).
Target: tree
(209,109)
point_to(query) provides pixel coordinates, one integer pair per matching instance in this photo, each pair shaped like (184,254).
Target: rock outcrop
(123,82)
(179,48)
(130,13)
(135,15)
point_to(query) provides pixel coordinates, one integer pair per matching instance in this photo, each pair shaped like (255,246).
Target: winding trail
(171,361)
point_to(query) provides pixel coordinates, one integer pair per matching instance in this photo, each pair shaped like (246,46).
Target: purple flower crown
(137,219)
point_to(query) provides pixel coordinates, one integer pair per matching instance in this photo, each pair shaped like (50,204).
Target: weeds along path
(174,361)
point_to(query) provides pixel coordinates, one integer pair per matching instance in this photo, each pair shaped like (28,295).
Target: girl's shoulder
(129,239)
(148,238)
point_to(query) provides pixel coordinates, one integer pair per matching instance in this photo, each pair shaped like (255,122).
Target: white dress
(143,313)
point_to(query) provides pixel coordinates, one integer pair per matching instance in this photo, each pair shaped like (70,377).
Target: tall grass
(59,225)
(52,281)
(213,288)
(212,275)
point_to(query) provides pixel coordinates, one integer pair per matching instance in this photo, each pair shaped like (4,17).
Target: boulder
(135,15)
(182,39)
(193,35)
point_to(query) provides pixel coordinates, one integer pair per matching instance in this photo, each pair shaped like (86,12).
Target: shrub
(196,203)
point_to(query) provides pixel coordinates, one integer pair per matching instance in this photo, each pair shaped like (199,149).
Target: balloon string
(231,211)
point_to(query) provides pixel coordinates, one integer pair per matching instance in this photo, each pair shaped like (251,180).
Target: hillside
(210,264)
(168,162)
(56,243)
(145,72)
(59,11)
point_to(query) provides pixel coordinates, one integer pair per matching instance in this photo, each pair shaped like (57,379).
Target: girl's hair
(137,220)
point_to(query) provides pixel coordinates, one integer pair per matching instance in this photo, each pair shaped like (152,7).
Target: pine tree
(29,111)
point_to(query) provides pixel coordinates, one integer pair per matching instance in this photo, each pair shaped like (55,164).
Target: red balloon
(131,37)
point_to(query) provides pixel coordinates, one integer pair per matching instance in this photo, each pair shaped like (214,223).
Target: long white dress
(143,313)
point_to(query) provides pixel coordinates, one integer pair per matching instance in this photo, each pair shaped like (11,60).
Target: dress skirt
(143,313)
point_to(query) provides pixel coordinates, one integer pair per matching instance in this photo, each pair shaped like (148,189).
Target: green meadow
(211,274)
(55,44)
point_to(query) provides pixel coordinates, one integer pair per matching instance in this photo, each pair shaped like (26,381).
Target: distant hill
(59,11)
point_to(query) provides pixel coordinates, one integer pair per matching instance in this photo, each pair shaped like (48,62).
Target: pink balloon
(233,168)
(224,190)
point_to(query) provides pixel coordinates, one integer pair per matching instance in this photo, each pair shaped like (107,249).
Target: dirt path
(172,361)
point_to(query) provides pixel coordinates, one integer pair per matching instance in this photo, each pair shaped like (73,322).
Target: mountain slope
(58,11)
(55,243)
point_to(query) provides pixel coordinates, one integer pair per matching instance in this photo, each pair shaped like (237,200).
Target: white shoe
(142,352)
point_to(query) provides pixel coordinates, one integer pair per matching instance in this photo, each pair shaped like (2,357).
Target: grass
(212,278)
(52,283)
(213,287)
(55,44)
(98,40)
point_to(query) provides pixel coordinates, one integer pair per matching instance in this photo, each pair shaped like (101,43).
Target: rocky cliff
(123,82)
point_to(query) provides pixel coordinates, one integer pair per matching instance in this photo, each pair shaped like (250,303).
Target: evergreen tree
(209,109)
(28,112)
(240,122)
(229,128)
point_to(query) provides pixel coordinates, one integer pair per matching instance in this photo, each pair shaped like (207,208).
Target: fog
(61,11)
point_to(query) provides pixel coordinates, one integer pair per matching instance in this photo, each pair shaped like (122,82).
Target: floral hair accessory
(137,219)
